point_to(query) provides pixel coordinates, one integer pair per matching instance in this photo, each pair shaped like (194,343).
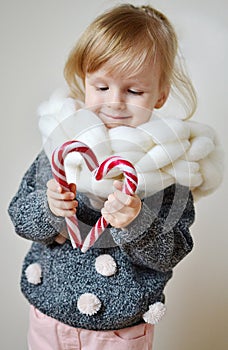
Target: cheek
(149,103)
(90,99)
(93,102)
(141,111)
(144,115)
(140,114)
(143,102)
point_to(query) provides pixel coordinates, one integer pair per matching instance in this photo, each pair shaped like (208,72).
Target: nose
(117,100)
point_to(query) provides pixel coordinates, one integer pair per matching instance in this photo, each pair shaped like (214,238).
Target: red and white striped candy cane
(129,187)
(59,174)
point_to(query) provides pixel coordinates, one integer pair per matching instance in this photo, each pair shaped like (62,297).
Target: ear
(164,93)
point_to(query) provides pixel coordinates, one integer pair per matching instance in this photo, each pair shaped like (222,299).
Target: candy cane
(59,174)
(129,187)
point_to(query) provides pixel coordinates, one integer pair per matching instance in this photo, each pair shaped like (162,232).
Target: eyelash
(102,88)
(133,92)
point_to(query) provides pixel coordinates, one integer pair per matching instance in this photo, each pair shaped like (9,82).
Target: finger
(64,213)
(118,185)
(64,205)
(119,220)
(117,201)
(68,196)
(107,216)
(72,188)
(113,205)
(60,239)
(54,186)
(124,198)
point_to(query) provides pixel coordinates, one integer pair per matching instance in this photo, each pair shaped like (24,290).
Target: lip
(115,117)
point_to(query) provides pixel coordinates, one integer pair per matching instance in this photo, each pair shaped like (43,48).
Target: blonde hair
(127,36)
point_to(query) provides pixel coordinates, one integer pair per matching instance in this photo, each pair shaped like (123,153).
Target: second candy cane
(129,187)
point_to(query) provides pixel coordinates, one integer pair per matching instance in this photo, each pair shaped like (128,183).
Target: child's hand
(121,209)
(61,203)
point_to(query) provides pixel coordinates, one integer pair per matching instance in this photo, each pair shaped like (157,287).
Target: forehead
(145,74)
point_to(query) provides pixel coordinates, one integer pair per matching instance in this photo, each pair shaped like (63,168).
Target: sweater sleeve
(159,237)
(29,210)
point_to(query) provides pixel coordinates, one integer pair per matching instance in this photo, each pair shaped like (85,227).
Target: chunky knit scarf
(163,150)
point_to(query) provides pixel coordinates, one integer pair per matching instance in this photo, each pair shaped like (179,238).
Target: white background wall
(36,37)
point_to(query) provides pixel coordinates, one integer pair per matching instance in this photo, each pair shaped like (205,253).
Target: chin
(115,125)
(111,125)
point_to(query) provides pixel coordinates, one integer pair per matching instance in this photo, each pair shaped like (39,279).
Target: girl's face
(120,99)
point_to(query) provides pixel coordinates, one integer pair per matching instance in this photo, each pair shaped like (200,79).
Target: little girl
(122,68)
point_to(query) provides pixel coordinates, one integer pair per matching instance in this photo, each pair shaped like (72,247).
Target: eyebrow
(129,80)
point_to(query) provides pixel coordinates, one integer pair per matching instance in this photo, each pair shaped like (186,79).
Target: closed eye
(134,92)
(102,88)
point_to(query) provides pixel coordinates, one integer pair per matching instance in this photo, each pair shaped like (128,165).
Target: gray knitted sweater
(144,253)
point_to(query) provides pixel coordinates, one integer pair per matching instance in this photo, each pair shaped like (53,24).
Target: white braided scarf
(164,151)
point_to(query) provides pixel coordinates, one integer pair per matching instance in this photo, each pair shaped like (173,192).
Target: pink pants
(46,333)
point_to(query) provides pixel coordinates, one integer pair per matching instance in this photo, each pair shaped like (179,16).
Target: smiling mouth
(116,117)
